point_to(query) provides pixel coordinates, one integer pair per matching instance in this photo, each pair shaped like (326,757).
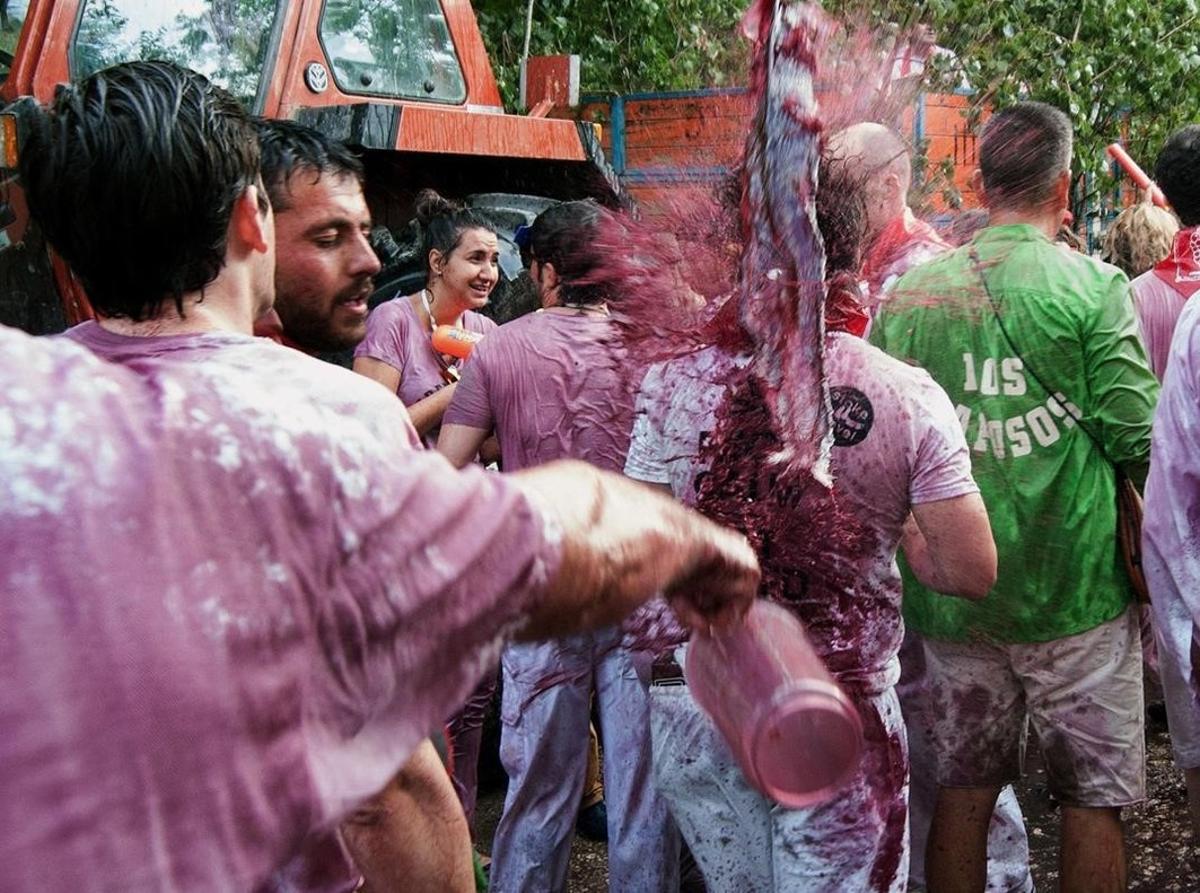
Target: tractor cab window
(227,41)
(12,23)
(399,48)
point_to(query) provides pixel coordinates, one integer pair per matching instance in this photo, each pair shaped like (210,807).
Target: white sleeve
(646,460)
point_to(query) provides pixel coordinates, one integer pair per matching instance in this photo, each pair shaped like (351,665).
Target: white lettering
(1064,409)
(1011,370)
(996,435)
(981,438)
(1041,423)
(1017,436)
(969,384)
(988,385)
(964,415)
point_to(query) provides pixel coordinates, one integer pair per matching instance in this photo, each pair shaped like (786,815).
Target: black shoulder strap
(1066,406)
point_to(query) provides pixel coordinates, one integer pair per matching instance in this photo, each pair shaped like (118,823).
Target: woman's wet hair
(1023,151)
(565,235)
(133,174)
(1177,172)
(442,223)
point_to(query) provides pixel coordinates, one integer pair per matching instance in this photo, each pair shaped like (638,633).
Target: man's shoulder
(855,362)
(946,268)
(260,378)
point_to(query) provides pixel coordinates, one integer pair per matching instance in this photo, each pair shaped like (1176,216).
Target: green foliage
(625,45)
(1119,68)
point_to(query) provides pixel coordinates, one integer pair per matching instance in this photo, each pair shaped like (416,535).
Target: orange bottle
(455,342)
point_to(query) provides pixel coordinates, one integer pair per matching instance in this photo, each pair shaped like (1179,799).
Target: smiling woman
(461,253)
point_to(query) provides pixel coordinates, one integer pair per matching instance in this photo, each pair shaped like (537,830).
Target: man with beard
(225,629)
(324,266)
(324,260)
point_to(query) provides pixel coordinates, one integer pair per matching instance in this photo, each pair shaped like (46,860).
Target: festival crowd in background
(257,606)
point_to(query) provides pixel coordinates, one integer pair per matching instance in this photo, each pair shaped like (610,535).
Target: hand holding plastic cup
(455,342)
(794,732)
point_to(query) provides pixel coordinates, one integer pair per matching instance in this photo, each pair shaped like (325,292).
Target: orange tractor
(407,81)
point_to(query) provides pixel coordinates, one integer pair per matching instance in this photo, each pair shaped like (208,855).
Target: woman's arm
(427,412)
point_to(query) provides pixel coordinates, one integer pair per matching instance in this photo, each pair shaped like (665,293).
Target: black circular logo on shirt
(853,416)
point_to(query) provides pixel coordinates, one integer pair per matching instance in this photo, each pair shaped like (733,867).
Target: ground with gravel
(1162,858)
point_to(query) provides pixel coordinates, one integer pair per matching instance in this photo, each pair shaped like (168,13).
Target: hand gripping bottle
(795,733)
(455,342)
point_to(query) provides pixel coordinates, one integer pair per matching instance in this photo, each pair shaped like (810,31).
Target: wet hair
(1139,238)
(964,225)
(133,175)
(1024,149)
(841,215)
(1070,238)
(443,222)
(288,147)
(564,235)
(1177,172)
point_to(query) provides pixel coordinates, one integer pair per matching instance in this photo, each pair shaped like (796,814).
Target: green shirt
(1050,494)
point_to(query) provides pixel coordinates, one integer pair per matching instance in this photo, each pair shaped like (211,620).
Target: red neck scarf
(843,306)
(1181,269)
(903,233)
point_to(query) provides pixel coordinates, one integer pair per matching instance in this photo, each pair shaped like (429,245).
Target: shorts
(1183,710)
(1082,693)
(743,841)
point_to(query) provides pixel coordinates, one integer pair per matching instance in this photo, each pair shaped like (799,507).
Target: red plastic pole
(1118,154)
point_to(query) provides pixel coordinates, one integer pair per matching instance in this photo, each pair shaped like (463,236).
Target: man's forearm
(622,543)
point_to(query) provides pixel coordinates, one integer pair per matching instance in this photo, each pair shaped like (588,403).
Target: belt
(666,670)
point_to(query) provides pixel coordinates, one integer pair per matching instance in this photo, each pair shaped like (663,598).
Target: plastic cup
(794,732)
(455,342)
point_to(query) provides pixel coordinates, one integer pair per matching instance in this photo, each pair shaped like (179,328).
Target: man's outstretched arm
(622,543)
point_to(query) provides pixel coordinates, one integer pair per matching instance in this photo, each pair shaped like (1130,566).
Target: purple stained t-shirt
(897,444)
(551,386)
(1158,306)
(1171,527)
(236,596)
(395,336)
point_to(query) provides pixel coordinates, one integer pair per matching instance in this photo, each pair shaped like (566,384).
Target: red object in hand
(1118,154)
(794,732)
(455,342)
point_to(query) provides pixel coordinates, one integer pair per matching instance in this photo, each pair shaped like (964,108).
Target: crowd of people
(257,606)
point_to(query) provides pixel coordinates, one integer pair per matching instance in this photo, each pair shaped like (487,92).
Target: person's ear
(251,220)
(977,186)
(1062,190)
(547,275)
(437,262)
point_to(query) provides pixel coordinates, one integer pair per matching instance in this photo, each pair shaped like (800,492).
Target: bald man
(898,242)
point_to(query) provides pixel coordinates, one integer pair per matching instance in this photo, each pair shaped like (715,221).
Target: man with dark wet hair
(1038,350)
(325,263)
(702,432)
(896,242)
(1163,298)
(550,385)
(223,628)
(1160,294)
(323,268)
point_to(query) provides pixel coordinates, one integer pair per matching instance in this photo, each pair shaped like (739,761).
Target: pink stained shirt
(898,444)
(551,385)
(237,595)
(1158,306)
(1171,527)
(396,336)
